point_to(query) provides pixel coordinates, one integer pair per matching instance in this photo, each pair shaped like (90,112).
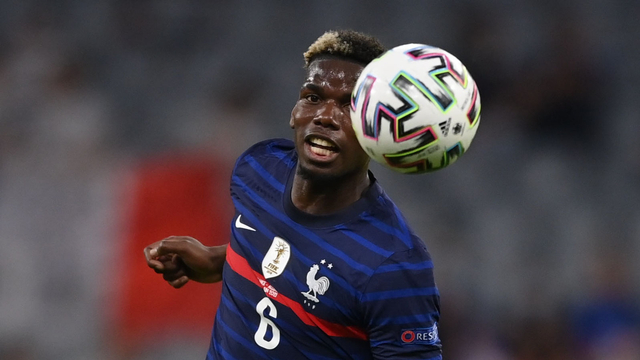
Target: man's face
(326,144)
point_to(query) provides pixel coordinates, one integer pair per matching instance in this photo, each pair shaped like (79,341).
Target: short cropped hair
(348,44)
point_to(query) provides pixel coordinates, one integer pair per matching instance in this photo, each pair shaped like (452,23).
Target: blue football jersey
(357,284)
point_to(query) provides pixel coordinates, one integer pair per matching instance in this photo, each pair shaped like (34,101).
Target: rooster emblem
(316,286)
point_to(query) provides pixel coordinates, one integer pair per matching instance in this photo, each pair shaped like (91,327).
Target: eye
(312,98)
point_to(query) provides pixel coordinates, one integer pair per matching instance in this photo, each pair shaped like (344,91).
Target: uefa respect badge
(425,336)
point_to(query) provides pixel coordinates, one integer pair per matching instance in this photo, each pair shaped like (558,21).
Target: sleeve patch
(426,336)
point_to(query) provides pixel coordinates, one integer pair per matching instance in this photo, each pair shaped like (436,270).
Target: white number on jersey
(265,323)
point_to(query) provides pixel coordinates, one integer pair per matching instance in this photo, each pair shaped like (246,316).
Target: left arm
(402,308)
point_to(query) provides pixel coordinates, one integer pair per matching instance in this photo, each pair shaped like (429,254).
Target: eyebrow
(346,98)
(311,86)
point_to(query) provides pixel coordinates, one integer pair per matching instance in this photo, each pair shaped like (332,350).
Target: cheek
(346,124)
(294,116)
(355,147)
(349,132)
(299,115)
(296,122)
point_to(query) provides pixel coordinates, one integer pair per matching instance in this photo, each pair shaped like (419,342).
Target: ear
(291,119)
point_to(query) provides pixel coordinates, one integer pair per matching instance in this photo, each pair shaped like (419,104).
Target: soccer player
(321,263)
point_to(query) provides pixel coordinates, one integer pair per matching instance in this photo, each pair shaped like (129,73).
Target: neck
(321,196)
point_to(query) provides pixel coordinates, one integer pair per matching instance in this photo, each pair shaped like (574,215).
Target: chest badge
(317,285)
(276,258)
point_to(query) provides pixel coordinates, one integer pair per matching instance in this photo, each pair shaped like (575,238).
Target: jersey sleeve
(401,307)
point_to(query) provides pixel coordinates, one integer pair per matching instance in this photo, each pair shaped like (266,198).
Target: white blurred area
(534,232)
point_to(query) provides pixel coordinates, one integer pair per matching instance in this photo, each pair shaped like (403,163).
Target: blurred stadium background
(120,121)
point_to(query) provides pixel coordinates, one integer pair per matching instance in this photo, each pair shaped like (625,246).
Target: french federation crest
(317,286)
(276,258)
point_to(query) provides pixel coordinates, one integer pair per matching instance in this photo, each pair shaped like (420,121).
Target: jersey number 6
(265,324)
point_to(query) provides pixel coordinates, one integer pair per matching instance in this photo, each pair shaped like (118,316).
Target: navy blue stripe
(428,264)
(413,356)
(225,354)
(381,342)
(302,230)
(401,293)
(264,173)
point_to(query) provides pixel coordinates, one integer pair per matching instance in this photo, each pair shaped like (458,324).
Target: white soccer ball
(415,108)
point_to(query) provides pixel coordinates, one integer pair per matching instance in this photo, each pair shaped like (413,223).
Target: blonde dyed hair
(347,44)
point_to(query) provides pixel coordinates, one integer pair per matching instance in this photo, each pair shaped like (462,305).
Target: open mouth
(321,147)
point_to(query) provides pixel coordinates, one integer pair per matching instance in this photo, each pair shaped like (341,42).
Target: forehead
(334,73)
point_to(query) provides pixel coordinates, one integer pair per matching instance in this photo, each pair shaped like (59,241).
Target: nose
(329,115)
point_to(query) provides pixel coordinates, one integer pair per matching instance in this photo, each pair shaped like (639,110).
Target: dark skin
(331,173)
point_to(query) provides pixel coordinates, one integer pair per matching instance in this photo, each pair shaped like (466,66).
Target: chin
(315,173)
(326,175)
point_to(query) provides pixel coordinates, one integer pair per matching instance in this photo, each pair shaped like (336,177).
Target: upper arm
(401,306)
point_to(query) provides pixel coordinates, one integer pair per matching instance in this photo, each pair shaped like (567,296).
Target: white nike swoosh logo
(240,225)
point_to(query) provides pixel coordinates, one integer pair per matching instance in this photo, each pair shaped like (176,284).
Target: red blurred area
(176,194)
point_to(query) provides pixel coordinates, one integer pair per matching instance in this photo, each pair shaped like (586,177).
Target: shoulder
(272,148)
(393,232)
(269,154)
(262,170)
(387,245)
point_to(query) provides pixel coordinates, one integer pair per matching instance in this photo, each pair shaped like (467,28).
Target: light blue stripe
(403,224)
(264,173)
(404,236)
(281,155)
(401,293)
(366,243)
(405,266)
(401,320)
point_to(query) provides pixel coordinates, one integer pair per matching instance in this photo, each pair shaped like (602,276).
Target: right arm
(182,258)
